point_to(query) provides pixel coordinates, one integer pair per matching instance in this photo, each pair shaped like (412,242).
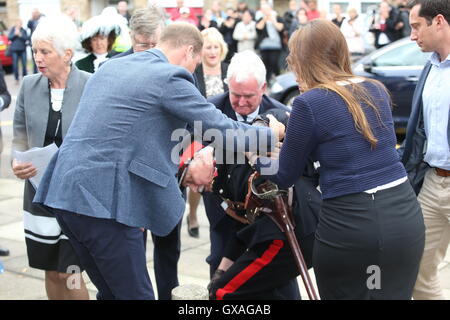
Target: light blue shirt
(250,117)
(436,106)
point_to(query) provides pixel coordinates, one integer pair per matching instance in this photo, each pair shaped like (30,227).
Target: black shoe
(4,252)
(193,232)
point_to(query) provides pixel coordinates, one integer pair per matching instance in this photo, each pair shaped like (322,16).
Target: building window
(369,7)
(344,6)
(2,6)
(113,3)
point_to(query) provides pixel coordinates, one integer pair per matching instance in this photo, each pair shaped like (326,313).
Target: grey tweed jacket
(116,161)
(32,108)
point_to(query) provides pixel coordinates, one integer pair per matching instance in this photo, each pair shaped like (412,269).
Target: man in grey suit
(145,29)
(115,171)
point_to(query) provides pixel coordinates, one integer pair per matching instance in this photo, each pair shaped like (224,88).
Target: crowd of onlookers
(263,30)
(267,31)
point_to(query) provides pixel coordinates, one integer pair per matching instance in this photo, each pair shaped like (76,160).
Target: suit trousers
(271,59)
(219,231)
(22,57)
(434,199)
(112,254)
(166,253)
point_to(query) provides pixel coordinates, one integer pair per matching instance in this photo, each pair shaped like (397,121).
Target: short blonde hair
(213,35)
(179,34)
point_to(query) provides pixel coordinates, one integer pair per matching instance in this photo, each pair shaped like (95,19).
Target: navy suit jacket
(412,150)
(416,112)
(307,206)
(120,157)
(222,102)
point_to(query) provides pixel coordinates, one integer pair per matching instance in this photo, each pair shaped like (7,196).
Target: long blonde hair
(319,57)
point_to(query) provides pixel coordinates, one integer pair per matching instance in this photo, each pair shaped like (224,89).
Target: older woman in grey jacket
(45,107)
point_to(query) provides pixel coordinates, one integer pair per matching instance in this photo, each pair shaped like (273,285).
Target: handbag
(8,52)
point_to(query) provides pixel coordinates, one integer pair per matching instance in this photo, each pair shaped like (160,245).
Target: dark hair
(250,11)
(86,43)
(301,9)
(431,8)
(243,3)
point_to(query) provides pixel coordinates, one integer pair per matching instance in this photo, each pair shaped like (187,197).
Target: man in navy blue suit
(229,238)
(243,102)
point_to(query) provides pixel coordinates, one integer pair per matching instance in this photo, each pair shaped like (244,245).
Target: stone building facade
(13,9)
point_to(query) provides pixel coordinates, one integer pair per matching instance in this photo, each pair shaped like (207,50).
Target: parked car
(6,62)
(397,66)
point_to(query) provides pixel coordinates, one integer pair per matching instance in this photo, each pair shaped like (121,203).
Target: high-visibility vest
(122,43)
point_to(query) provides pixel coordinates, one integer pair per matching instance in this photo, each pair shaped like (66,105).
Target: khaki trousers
(434,198)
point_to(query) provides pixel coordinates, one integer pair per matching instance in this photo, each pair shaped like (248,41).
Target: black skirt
(369,246)
(47,247)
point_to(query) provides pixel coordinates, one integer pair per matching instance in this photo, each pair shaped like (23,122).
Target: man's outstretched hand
(201,170)
(277,127)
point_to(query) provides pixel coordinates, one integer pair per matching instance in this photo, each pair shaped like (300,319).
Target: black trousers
(166,253)
(369,246)
(219,231)
(112,254)
(22,57)
(265,271)
(271,59)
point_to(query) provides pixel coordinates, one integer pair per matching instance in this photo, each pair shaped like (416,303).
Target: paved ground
(21,282)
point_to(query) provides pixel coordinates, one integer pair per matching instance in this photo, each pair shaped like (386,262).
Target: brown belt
(442,172)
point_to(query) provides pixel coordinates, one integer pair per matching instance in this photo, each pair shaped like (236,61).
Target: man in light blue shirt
(426,151)
(436,103)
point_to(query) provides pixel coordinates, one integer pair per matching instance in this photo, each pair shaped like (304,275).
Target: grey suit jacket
(32,108)
(116,160)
